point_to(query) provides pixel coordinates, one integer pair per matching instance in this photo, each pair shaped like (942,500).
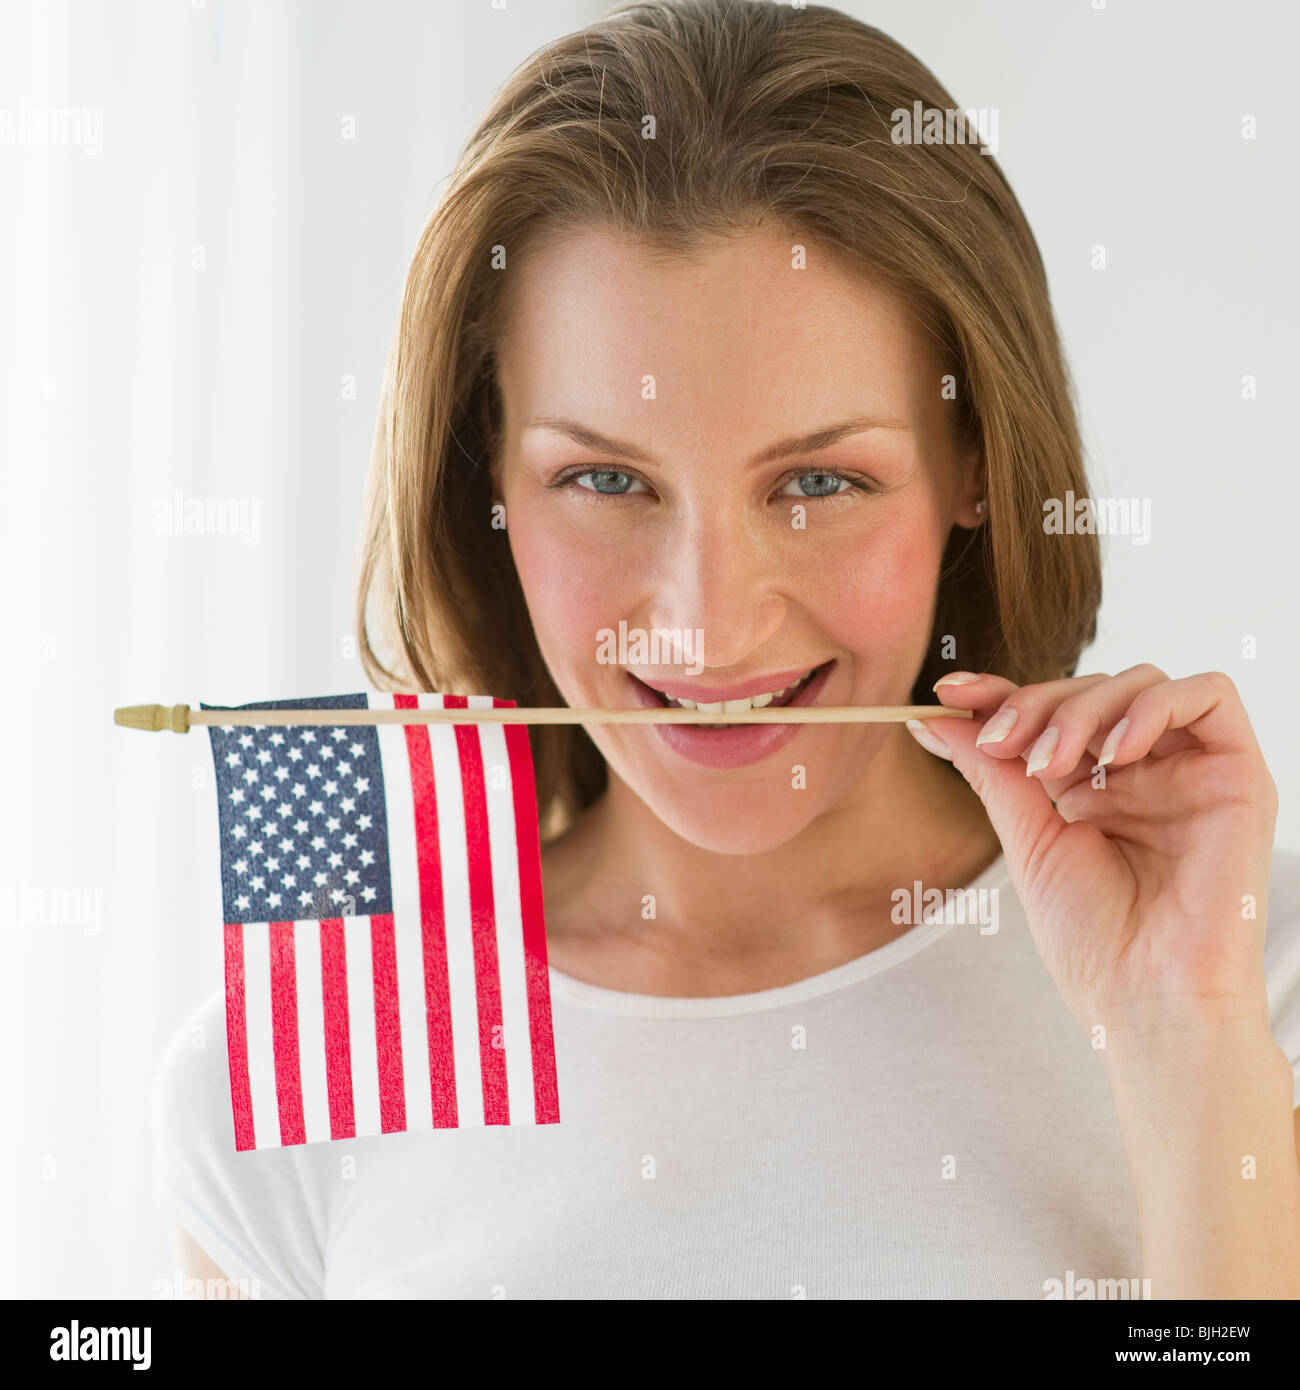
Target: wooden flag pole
(181,718)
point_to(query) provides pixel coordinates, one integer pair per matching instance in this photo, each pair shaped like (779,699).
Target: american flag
(385,947)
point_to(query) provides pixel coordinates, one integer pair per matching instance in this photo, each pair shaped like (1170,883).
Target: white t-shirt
(927,1121)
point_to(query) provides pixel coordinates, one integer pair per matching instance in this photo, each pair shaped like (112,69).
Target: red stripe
(546,1096)
(284,1031)
(388,1025)
(437,975)
(241,1094)
(483,922)
(338,1042)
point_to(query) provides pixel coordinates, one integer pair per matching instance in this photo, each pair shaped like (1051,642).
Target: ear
(494,475)
(972,486)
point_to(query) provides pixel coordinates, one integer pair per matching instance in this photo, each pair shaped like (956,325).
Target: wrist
(1176,1078)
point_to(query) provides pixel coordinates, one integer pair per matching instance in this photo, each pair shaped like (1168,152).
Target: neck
(726,923)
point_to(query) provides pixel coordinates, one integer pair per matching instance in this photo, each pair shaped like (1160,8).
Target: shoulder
(254,1213)
(191,1079)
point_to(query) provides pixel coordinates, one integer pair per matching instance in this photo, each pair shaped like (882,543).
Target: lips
(760,697)
(735,745)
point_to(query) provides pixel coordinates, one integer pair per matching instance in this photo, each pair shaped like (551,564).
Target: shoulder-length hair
(675,120)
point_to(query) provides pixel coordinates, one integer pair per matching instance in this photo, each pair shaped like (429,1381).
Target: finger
(1208,706)
(1019,808)
(1079,723)
(1018,714)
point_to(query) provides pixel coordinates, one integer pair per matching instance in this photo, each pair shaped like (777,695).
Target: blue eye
(819,484)
(606,480)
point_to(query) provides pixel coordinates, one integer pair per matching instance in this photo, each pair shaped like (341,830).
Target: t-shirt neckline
(901,948)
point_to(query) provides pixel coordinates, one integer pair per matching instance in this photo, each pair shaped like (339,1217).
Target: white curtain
(208,210)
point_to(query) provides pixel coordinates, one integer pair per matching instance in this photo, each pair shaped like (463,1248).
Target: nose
(722,576)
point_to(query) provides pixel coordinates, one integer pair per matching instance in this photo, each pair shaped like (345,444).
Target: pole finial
(154,718)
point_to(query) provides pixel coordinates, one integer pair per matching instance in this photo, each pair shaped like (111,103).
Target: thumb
(1019,808)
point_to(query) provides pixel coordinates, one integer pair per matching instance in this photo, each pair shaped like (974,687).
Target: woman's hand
(1146,882)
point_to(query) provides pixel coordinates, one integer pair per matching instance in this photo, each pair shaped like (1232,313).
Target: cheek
(879,591)
(572,587)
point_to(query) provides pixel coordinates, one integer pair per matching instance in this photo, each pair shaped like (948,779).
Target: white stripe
(510,923)
(456,911)
(311,1032)
(404,874)
(261,1040)
(361,1024)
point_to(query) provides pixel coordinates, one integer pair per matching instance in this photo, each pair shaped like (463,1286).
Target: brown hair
(756,111)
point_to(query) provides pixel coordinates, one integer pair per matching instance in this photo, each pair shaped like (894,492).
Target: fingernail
(1041,753)
(928,739)
(1113,739)
(998,727)
(956,678)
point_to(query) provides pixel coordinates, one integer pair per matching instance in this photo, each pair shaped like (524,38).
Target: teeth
(736,706)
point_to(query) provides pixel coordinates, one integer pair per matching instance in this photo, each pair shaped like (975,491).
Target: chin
(736,819)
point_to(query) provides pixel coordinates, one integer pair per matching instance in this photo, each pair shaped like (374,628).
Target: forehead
(740,321)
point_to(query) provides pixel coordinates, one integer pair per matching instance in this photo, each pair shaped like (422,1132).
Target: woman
(699,341)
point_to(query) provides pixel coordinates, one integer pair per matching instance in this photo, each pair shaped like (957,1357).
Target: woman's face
(660,474)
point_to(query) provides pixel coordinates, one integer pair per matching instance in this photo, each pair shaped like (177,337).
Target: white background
(129,375)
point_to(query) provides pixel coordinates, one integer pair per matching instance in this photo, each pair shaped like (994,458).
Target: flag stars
(300,847)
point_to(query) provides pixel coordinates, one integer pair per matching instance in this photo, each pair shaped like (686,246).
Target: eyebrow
(787,448)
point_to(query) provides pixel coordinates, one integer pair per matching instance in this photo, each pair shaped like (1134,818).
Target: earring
(980,506)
